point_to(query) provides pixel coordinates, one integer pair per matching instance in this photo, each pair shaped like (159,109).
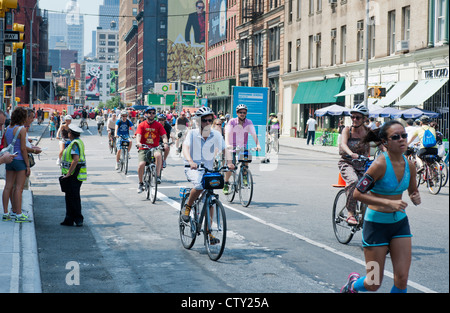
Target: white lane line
(176,205)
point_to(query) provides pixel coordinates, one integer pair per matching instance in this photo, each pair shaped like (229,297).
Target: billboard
(93,71)
(186,39)
(217,21)
(113,81)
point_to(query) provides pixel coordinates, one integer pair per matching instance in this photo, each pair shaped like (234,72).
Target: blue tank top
(389,185)
(9,136)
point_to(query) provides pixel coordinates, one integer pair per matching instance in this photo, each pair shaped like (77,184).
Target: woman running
(386,227)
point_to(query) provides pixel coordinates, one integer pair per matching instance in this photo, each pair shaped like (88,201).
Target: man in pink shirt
(236,135)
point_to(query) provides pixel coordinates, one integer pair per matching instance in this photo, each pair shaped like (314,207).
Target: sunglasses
(207,120)
(397,136)
(356,118)
(151,112)
(242,112)
(200,7)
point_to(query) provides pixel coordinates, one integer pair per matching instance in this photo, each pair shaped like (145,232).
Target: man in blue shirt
(122,130)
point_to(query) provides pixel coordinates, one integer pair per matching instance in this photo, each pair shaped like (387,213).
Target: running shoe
(213,240)
(6,217)
(140,188)
(22,218)
(185,216)
(226,190)
(348,287)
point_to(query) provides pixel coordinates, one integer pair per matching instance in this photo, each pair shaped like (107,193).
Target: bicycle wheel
(146,181)
(153,186)
(125,161)
(434,180)
(111,145)
(122,160)
(231,187)
(245,187)
(188,232)
(444,170)
(342,230)
(215,229)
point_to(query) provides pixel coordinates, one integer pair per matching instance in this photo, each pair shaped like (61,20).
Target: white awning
(352,90)
(396,92)
(421,92)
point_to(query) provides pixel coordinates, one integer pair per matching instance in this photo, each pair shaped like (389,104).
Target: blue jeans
(311,135)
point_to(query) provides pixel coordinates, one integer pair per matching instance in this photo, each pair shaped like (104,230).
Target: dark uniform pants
(73,201)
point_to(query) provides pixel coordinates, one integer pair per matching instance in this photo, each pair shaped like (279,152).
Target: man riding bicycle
(420,132)
(148,133)
(162,119)
(181,128)
(122,130)
(200,147)
(237,131)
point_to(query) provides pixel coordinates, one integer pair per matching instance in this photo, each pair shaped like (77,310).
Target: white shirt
(311,124)
(201,150)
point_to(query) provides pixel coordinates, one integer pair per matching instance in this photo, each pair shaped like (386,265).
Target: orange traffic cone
(341,182)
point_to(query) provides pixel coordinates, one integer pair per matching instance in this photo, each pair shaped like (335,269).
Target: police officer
(73,168)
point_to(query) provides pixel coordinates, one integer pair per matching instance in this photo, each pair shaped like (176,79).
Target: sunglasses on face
(242,112)
(356,117)
(200,7)
(151,112)
(397,136)
(207,120)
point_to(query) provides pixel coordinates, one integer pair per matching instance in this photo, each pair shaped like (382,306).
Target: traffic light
(77,86)
(5,5)
(377,92)
(21,29)
(69,92)
(20,62)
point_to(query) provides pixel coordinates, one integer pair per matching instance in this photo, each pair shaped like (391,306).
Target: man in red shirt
(148,133)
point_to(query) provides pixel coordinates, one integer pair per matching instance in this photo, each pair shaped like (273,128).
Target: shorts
(381,233)
(16,165)
(119,141)
(142,153)
(195,177)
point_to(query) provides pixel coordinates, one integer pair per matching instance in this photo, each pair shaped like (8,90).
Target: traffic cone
(341,182)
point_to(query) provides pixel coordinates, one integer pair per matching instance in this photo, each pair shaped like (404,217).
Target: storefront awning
(322,91)
(421,92)
(396,92)
(352,90)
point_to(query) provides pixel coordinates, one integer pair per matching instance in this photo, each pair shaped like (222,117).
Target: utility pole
(366,51)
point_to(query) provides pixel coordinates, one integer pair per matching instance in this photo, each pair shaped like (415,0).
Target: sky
(86,6)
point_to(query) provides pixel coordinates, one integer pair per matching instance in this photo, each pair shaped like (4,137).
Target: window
(243,47)
(406,13)
(289,57)
(274,43)
(290,11)
(440,20)
(318,50)
(319,5)
(343,44)
(297,66)
(311,7)
(391,32)
(372,37)
(258,48)
(299,9)
(333,46)
(360,40)
(310,51)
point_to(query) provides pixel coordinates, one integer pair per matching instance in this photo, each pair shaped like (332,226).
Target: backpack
(428,140)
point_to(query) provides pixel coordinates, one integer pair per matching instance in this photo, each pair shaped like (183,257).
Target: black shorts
(376,234)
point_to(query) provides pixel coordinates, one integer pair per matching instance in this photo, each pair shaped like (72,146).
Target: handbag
(31,159)
(10,147)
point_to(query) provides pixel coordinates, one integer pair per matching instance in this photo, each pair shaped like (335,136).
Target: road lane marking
(176,205)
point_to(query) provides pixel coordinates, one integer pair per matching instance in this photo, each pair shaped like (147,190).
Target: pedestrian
(386,226)
(63,136)
(73,169)
(311,126)
(52,129)
(6,157)
(18,170)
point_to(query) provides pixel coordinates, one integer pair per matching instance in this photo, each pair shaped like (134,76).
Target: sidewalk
(19,263)
(300,143)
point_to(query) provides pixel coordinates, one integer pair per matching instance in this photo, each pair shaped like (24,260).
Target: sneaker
(6,217)
(348,287)
(117,166)
(22,218)
(158,180)
(226,190)
(213,240)
(140,188)
(187,211)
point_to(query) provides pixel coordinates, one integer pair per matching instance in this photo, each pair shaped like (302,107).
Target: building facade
(324,44)
(107,45)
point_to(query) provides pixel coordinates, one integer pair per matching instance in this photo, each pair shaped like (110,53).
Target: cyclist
(419,132)
(100,123)
(122,130)
(84,116)
(149,132)
(200,146)
(63,136)
(273,125)
(386,227)
(237,131)
(163,120)
(351,171)
(181,128)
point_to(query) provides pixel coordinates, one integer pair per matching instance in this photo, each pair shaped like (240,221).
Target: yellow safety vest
(67,159)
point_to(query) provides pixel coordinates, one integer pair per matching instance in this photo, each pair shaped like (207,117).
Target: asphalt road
(283,242)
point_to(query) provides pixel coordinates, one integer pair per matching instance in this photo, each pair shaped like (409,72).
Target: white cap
(75,128)
(67,117)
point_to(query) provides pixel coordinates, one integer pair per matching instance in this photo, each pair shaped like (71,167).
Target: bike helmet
(124,112)
(241,107)
(425,119)
(162,116)
(204,111)
(360,108)
(149,109)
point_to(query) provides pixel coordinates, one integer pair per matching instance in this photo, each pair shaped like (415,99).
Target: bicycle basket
(244,156)
(212,181)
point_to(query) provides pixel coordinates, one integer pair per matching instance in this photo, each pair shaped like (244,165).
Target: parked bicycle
(241,181)
(326,139)
(207,216)
(150,176)
(343,231)
(124,154)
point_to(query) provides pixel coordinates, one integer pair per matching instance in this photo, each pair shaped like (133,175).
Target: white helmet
(241,107)
(203,111)
(360,108)
(124,112)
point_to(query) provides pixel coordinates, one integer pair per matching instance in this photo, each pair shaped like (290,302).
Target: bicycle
(84,123)
(430,173)
(273,143)
(343,231)
(242,182)
(112,144)
(150,178)
(325,140)
(124,154)
(211,220)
